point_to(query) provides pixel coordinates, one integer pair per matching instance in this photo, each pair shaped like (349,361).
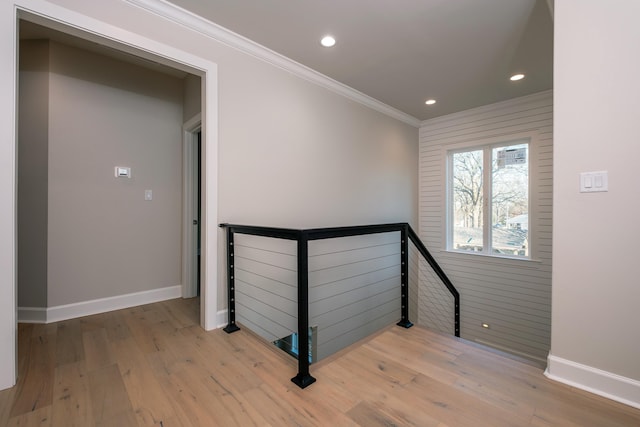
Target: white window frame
(487,146)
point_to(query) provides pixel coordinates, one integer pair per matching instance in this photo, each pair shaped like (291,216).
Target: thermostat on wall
(123,172)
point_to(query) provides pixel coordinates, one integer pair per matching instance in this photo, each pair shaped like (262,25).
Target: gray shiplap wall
(512,296)
(266,281)
(354,287)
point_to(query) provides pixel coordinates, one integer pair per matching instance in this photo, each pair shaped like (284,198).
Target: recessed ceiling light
(328,41)
(516,77)
(430,101)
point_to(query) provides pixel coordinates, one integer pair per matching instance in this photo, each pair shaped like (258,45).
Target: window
(489,199)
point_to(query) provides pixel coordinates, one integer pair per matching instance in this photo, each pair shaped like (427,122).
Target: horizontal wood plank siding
(266,283)
(512,296)
(354,288)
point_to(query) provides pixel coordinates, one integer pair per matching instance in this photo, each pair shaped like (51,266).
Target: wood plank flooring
(154,366)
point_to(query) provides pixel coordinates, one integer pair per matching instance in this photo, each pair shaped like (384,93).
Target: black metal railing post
(231,288)
(404,277)
(303,378)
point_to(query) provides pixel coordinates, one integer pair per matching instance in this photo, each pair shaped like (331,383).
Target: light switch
(592,182)
(148,195)
(598,181)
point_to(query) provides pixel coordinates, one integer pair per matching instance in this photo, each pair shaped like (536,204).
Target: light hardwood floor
(153,365)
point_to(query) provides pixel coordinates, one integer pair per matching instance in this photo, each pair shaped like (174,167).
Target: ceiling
(400,52)
(403,52)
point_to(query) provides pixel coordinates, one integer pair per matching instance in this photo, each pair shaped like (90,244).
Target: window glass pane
(510,200)
(467,201)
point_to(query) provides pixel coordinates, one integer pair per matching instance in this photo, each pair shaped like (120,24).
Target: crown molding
(236,41)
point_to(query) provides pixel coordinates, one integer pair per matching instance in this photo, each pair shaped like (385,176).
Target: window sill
(506,258)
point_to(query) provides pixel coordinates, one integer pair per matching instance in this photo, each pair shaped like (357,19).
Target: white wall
(512,296)
(595,336)
(291,153)
(302,157)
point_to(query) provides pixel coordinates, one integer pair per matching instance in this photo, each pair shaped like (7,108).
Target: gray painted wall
(33,133)
(192,103)
(103,239)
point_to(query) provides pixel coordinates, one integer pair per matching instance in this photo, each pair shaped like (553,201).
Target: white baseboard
(102,305)
(615,387)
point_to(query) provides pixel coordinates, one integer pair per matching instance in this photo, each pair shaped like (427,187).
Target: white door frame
(189,255)
(48,14)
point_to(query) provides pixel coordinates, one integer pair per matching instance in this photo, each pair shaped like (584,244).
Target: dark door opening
(199,209)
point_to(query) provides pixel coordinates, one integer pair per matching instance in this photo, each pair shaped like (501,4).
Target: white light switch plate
(148,195)
(593,182)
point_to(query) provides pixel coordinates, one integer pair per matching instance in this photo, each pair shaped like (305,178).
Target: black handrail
(356,230)
(441,274)
(304,378)
(278,233)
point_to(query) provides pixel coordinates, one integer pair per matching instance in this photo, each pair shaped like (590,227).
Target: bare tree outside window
(468,200)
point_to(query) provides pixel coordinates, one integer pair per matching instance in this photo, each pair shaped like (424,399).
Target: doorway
(104,33)
(51,206)
(192,225)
